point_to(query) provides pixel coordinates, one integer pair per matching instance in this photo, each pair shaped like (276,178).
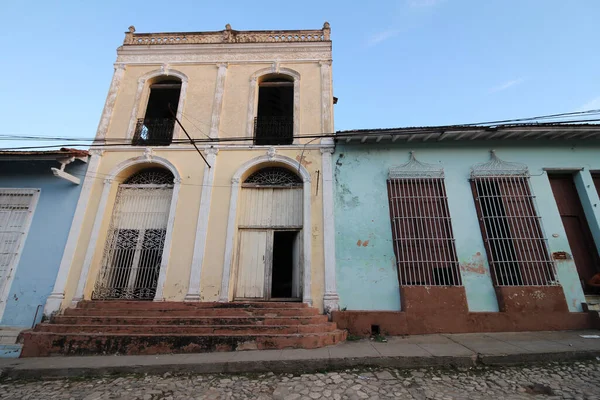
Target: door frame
(270,159)
(12,267)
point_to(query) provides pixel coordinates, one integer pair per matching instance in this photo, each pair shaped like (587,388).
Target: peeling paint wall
(43,249)
(367,276)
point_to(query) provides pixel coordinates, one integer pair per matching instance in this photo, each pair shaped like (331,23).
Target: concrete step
(195,312)
(167,320)
(39,344)
(180,305)
(188,329)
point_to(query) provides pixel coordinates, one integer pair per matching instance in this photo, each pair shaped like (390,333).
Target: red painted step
(138,327)
(197,312)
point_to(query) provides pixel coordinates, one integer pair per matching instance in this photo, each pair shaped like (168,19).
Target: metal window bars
(135,240)
(421,226)
(153,132)
(273,130)
(515,243)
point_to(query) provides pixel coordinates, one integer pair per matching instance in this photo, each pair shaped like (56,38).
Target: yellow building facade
(245,212)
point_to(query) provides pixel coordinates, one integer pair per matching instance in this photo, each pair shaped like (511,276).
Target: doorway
(269,252)
(576,227)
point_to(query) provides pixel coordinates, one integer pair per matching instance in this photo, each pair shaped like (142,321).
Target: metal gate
(16,210)
(136,236)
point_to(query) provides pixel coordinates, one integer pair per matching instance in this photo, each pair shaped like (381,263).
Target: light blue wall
(45,243)
(366,275)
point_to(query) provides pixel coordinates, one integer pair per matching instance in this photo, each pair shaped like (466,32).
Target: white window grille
(136,236)
(273,177)
(16,211)
(515,243)
(421,225)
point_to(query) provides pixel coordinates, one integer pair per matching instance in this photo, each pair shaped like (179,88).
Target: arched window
(273,177)
(136,235)
(156,128)
(274,122)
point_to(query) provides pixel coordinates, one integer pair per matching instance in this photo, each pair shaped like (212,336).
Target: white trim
(330,298)
(92,245)
(109,104)
(193,293)
(253,98)
(215,119)
(232,228)
(326,98)
(54,301)
(245,147)
(12,268)
(165,70)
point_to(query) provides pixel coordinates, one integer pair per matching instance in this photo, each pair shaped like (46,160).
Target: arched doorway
(269,254)
(134,246)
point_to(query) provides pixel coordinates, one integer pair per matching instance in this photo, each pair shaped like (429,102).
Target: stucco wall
(366,270)
(43,249)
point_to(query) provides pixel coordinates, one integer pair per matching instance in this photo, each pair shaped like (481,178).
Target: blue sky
(396,62)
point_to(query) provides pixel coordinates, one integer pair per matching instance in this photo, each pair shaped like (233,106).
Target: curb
(291,365)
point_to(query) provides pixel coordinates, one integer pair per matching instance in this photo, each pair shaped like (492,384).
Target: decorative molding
(496,167)
(211,151)
(193,293)
(165,70)
(14,264)
(331,298)
(232,227)
(218,100)
(253,98)
(227,35)
(109,104)
(54,301)
(226,147)
(271,152)
(148,153)
(93,242)
(416,169)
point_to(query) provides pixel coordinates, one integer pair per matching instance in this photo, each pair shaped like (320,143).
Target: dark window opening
(156,128)
(375,330)
(283,264)
(512,232)
(422,233)
(274,122)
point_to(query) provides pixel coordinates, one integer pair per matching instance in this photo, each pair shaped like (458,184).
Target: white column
(218,101)
(331,298)
(166,255)
(55,299)
(326,98)
(193,293)
(111,98)
(228,258)
(89,254)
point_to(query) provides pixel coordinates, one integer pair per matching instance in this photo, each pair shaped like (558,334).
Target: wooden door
(253,259)
(576,226)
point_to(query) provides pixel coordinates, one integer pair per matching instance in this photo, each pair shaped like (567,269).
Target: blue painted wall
(366,271)
(45,243)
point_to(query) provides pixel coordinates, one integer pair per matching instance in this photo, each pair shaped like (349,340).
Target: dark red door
(578,231)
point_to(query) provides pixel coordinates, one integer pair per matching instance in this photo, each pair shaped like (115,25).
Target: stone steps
(129,327)
(164,320)
(187,329)
(196,312)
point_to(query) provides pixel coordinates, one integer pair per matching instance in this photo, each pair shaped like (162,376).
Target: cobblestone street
(579,380)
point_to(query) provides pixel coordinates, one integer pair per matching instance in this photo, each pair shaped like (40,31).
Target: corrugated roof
(63,152)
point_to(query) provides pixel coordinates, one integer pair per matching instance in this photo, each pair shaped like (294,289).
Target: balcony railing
(273,130)
(153,132)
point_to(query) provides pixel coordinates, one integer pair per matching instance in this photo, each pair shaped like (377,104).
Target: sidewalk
(401,352)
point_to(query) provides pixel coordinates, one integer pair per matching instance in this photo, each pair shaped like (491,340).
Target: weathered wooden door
(253,253)
(16,211)
(578,231)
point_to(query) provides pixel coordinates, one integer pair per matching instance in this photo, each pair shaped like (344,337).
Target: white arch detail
(232,224)
(253,97)
(165,70)
(102,206)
